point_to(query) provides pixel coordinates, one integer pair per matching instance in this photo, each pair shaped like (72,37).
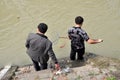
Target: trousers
(38,66)
(80,53)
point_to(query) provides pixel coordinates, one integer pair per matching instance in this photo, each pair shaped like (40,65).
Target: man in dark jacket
(77,36)
(39,48)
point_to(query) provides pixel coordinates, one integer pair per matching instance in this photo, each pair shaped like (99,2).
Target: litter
(63,71)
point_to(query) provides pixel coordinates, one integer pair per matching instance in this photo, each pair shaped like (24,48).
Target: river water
(20,17)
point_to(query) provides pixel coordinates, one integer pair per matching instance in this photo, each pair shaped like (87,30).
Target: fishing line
(55,37)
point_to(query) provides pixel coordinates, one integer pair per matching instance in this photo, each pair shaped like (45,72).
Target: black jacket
(39,48)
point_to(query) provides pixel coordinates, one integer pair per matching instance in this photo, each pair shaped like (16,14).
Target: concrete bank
(94,67)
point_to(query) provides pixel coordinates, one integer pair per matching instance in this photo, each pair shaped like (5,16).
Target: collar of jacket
(42,35)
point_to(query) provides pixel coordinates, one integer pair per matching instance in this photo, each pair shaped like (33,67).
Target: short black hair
(79,20)
(42,27)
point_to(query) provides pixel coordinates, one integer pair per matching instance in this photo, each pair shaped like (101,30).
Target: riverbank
(94,67)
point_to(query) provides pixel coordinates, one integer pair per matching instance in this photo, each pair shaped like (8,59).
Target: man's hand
(57,66)
(100,40)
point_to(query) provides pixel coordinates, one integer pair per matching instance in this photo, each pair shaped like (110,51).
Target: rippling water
(19,17)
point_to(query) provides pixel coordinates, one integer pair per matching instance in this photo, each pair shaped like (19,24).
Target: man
(39,48)
(77,36)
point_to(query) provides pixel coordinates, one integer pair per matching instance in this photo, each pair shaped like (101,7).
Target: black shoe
(81,60)
(72,59)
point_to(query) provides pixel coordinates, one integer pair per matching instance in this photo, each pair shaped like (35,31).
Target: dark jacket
(77,36)
(39,48)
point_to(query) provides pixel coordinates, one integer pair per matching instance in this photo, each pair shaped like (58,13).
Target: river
(20,17)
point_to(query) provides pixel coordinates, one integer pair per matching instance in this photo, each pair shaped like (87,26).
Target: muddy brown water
(20,17)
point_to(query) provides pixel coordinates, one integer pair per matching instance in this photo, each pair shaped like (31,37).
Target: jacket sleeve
(52,54)
(27,43)
(70,31)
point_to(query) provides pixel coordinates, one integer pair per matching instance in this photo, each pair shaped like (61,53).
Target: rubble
(93,68)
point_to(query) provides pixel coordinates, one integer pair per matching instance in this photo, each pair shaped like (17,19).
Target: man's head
(79,20)
(42,27)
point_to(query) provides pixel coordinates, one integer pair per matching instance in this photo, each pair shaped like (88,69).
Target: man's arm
(94,41)
(89,40)
(27,44)
(53,57)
